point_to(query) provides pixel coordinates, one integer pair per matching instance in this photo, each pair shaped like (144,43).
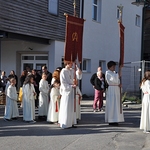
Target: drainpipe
(81,16)
(142,35)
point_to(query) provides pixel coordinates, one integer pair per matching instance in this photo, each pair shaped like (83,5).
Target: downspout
(81,16)
(142,36)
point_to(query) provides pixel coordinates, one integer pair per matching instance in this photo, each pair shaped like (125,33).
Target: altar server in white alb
(145,114)
(78,102)
(7,85)
(29,100)
(12,108)
(112,113)
(43,97)
(53,110)
(67,114)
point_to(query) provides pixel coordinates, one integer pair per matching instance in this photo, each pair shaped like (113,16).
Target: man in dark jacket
(37,79)
(49,74)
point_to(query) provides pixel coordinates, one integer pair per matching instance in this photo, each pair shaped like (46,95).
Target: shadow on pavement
(91,123)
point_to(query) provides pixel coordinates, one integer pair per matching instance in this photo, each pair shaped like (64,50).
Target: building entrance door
(33,61)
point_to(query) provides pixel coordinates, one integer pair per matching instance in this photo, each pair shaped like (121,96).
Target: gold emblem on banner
(75,36)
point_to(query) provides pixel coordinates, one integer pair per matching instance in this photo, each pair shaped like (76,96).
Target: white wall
(101,40)
(10,48)
(59,53)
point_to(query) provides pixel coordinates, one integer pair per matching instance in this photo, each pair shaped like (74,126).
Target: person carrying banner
(112,111)
(67,115)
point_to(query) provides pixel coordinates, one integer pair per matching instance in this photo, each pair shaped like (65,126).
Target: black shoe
(113,124)
(7,119)
(74,126)
(15,118)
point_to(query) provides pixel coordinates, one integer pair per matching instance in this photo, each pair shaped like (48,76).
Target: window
(86,65)
(96,11)
(53,7)
(137,20)
(41,57)
(27,57)
(102,63)
(62,62)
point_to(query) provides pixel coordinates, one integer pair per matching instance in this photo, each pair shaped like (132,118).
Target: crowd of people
(53,94)
(58,96)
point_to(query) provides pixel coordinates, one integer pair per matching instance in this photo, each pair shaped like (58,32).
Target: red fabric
(73,42)
(56,110)
(121,28)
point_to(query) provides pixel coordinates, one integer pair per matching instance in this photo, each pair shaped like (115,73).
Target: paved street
(92,133)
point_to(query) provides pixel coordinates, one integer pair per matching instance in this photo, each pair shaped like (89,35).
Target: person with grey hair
(100,87)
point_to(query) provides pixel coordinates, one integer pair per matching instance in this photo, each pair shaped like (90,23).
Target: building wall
(12,50)
(101,40)
(32,18)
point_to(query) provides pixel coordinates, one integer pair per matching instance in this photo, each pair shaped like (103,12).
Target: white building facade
(101,41)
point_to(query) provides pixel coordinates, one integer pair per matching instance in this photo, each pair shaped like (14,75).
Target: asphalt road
(92,133)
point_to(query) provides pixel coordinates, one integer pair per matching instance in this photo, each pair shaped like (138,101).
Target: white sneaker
(33,121)
(145,131)
(94,110)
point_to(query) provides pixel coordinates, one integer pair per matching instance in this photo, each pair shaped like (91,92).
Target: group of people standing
(58,94)
(110,84)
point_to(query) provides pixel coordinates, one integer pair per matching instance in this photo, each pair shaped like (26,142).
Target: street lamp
(141,2)
(138,2)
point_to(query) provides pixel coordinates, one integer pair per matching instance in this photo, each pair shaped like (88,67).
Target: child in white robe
(145,114)
(11,105)
(53,110)
(7,85)
(43,97)
(78,102)
(29,100)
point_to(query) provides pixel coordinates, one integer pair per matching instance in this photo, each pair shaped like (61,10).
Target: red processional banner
(121,29)
(73,41)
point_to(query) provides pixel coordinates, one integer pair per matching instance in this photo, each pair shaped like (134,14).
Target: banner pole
(120,65)
(74,4)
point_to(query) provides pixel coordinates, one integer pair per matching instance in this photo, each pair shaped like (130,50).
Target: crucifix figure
(120,12)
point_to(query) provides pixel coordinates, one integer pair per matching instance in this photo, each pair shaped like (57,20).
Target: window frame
(102,63)
(49,10)
(137,20)
(88,65)
(99,11)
